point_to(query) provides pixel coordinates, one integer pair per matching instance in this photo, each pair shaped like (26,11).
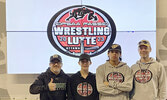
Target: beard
(57,70)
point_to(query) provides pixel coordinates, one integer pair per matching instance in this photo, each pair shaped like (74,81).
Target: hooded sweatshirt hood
(119,65)
(152,60)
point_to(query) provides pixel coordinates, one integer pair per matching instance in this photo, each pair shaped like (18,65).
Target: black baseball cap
(84,56)
(55,57)
(115,47)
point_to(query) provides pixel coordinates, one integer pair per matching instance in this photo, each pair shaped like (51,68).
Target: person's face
(114,55)
(55,66)
(84,64)
(144,51)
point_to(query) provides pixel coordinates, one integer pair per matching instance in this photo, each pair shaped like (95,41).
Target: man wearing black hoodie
(83,83)
(51,85)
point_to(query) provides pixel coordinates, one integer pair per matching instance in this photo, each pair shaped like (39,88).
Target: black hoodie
(83,89)
(41,86)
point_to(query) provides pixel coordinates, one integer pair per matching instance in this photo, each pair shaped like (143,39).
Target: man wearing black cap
(149,76)
(51,85)
(83,84)
(114,78)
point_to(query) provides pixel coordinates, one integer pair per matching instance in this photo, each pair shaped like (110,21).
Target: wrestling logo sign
(81,29)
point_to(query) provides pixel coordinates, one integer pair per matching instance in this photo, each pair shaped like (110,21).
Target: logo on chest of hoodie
(84,89)
(115,76)
(143,76)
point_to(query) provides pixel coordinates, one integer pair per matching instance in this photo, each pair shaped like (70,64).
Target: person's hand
(51,85)
(106,83)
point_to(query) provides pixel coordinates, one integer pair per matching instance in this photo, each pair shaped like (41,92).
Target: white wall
(16,87)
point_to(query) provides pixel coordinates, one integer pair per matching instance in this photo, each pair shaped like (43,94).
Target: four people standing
(114,78)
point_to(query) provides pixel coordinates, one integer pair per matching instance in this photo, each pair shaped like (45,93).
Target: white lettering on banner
(75,40)
(100,31)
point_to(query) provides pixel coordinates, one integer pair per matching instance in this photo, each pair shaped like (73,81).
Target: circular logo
(81,29)
(143,76)
(115,76)
(84,89)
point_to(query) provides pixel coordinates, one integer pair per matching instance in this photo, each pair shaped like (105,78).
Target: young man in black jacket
(83,84)
(51,85)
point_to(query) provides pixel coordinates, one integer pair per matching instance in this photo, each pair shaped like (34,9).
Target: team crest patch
(143,76)
(84,89)
(115,76)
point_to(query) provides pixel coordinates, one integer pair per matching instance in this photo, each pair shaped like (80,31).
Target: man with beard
(51,85)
